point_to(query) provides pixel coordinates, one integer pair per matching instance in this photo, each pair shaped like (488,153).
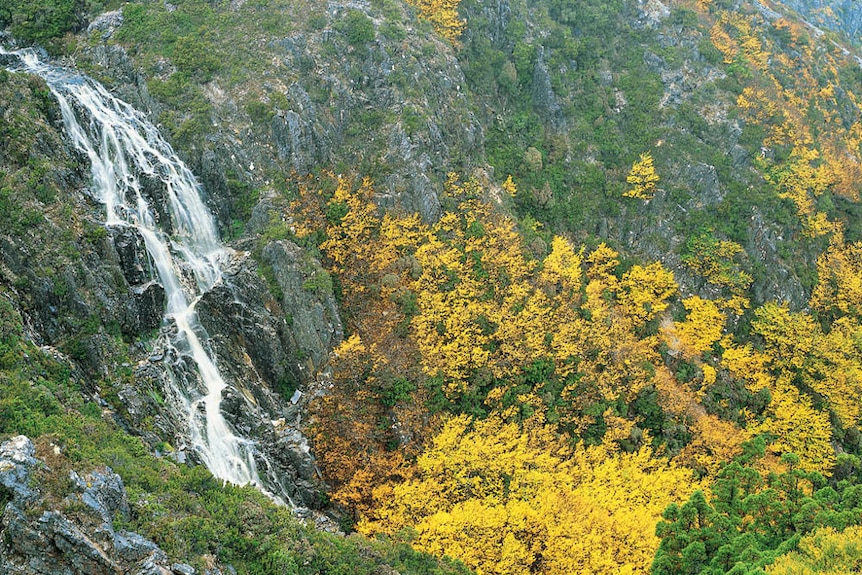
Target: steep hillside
(548,286)
(844,17)
(106,484)
(564,99)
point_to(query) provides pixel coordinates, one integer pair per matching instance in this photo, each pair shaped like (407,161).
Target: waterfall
(122,146)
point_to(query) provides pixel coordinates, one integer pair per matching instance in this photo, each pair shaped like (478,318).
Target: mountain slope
(839,16)
(623,234)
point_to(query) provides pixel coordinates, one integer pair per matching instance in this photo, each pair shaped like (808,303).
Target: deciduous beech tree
(513,499)
(824,552)
(443,15)
(642,178)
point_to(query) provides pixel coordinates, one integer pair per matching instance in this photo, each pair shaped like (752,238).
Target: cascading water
(121,146)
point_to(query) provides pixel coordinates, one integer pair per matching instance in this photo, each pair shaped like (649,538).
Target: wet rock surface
(133,258)
(92,293)
(265,357)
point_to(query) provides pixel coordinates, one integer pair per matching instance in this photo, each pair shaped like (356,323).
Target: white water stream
(122,145)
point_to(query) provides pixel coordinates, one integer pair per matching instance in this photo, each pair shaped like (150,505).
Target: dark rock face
(148,308)
(132,254)
(781,284)
(131,85)
(93,293)
(154,190)
(298,141)
(52,544)
(544,99)
(145,308)
(247,332)
(260,352)
(314,326)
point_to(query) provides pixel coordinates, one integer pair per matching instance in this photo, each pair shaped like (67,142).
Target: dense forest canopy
(596,268)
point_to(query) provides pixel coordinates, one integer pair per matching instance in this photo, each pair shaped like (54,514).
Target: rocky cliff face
(562,99)
(638,75)
(92,292)
(388,100)
(405,108)
(843,16)
(563,96)
(40,539)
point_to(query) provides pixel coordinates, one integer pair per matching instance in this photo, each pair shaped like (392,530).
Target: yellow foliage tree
(839,285)
(349,243)
(507,499)
(824,552)
(802,179)
(796,427)
(830,364)
(645,290)
(790,419)
(510,187)
(836,373)
(642,179)
(790,336)
(702,327)
(562,267)
(613,362)
(725,44)
(474,280)
(443,15)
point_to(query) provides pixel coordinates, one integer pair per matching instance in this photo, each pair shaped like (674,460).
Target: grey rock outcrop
(147,309)
(544,99)
(838,15)
(299,142)
(397,101)
(16,467)
(266,346)
(131,85)
(134,261)
(781,283)
(52,543)
(106,24)
(263,357)
(307,299)
(287,338)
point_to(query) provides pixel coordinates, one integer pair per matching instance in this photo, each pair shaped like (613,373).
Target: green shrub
(40,21)
(319,282)
(195,56)
(317,21)
(358,28)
